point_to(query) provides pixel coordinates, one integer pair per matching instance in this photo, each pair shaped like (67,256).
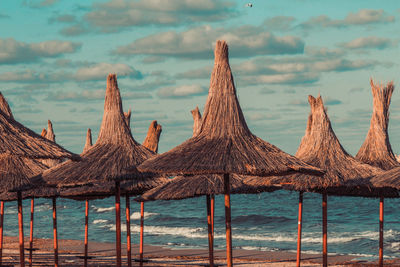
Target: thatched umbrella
(114,151)
(18,143)
(376,149)
(88,142)
(344,174)
(132,188)
(225,144)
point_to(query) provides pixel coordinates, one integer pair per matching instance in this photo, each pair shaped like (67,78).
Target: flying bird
(249,5)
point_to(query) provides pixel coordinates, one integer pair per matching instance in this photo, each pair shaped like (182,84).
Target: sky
(55,57)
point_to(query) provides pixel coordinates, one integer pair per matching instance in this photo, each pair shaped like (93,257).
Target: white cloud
(181,91)
(198,43)
(370,42)
(101,70)
(12,51)
(116,15)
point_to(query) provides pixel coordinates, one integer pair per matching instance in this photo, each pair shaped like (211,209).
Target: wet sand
(104,255)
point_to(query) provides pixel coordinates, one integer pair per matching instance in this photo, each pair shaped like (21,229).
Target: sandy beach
(104,255)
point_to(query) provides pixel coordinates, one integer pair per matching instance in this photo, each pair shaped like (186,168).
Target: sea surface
(266,221)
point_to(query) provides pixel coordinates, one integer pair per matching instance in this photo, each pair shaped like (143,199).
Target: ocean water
(266,221)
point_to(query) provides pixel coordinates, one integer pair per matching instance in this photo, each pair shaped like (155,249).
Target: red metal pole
(31,232)
(210,235)
(324,230)
(86,232)
(21,231)
(141,230)
(55,232)
(128,230)
(381,208)
(229,259)
(1,231)
(118,223)
(212,214)
(299,226)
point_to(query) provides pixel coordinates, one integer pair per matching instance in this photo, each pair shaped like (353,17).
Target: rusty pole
(299,226)
(118,223)
(1,230)
(85,259)
(31,232)
(210,234)
(128,230)
(141,231)
(229,259)
(324,230)
(381,207)
(21,231)
(55,232)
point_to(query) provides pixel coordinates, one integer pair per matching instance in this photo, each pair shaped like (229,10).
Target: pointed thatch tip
(50,133)
(128,117)
(112,81)
(5,107)
(153,136)
(88,143)
(44,132)
(221,52)
(196,120)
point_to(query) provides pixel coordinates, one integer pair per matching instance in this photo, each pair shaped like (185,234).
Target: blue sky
(55,56)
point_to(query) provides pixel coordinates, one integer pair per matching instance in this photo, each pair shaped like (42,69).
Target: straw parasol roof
(388,179)
(5,107)
(18,140)
(376,149)
(225,143)
(127,116)
(320,147)
(88,143)
(114,151)
(153,136)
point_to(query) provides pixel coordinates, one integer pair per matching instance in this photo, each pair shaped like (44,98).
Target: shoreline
(104,255)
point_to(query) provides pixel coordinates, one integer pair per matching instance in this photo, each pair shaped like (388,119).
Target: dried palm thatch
(18,140)
(183,187)
(153,136)
(52,137)
(320,147)
(376,149)
(225,143)
(128,118)
(15,172)
(388,179)
(88,143)
(5,107)
(197,120)
(114,151)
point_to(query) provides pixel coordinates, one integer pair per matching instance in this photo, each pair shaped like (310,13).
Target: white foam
(136,215)
(101,210)
(99,221)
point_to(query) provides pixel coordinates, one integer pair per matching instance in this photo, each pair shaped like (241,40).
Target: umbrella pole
(141,231)
(299,226)
(128,230)
(118,223)
(55,232)
(31,232)
(324,230)
(228,221)
(210,235)
(86,232)
(21,231)
(212,214)
(1,231)
(381,208)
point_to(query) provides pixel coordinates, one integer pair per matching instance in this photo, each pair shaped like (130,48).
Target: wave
(99,221)
(136,215)
(101,210)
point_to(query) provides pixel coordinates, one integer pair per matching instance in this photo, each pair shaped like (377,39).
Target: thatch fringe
(224,143)
(376,149)
(88,143)
(320,147)
(5,107)
(153,136)
(388,180)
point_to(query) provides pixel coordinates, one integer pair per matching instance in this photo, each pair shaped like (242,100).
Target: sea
(266,222)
